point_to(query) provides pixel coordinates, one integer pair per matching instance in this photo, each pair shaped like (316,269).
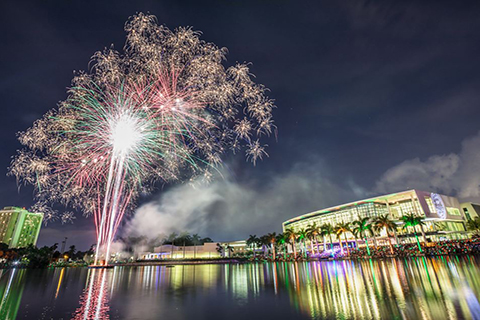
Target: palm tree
(264,242)
(71,252)
(184,238)
(272,239)
(361,227)
(259,243)
(374,236)
(323,233)
(282,239)
(230,250)
(252,243)
(473,224)
(343,228)
(302,236)
(384,222)
(327,230)
(171,238)
(356,235)
(312,232)
(220,249)
(411,220)
(292,236)
(196,240)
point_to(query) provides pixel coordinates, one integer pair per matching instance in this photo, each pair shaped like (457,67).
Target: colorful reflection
(11,289)
(419,288)
(94,300)
(415,289)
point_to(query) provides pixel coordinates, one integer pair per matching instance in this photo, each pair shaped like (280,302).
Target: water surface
(421,288)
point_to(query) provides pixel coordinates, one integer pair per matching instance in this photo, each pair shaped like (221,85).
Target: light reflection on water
(94,300)
(441,288)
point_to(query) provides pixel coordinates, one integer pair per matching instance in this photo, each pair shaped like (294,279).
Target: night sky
(372,96)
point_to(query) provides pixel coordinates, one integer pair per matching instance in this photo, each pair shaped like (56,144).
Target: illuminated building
(470,210)
(18,227)
(442,215)
(207,250)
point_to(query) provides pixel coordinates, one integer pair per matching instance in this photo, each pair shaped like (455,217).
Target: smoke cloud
(227,209)
(452,174)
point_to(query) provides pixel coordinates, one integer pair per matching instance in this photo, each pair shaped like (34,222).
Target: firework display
(164,109)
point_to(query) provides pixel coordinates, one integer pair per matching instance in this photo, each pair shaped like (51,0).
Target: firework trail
(165,109)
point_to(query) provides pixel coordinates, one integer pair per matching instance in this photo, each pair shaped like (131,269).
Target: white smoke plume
(452,174)
(229,210)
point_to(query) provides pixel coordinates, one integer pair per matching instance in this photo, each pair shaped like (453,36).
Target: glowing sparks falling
(166,109)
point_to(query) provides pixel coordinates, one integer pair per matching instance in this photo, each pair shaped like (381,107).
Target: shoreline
(180,262)
(246,261)
(172,263)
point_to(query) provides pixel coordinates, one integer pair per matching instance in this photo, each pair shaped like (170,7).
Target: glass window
(431,207)
(453,211)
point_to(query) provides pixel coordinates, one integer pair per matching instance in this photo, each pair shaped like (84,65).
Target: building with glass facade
(18,227)
(443,216)
(470,210)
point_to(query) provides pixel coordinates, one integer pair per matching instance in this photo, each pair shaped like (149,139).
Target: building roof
(469,202)
(392,197)
(20,209)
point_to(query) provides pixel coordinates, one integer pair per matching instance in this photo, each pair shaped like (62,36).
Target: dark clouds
(453,174)
(362,85)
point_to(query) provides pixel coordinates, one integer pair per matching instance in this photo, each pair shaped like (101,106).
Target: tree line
(33,257)
(177,239)
(366,229)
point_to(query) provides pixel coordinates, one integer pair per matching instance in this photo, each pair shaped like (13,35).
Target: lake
(418,288)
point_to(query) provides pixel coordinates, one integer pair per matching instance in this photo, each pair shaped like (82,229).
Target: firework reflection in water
(94,300)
